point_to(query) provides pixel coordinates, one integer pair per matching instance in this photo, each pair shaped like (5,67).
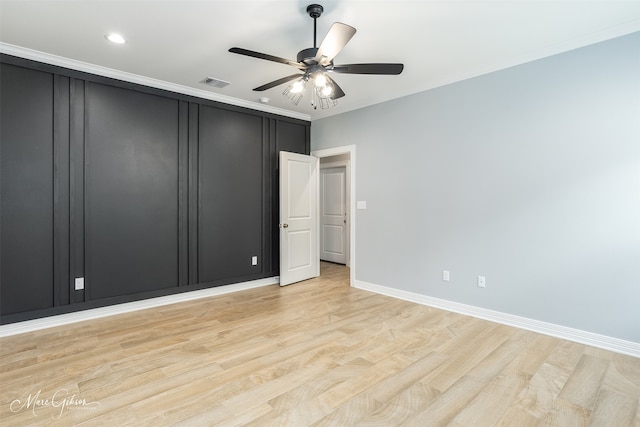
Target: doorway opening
(333,209)
(335,162)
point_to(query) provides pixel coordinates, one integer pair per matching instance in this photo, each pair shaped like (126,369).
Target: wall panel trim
(183,194)
(193,193)
(61,242)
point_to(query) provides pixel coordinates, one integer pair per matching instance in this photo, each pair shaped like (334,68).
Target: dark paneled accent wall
(27,186)
(230,173)
(131,178)
(142,192)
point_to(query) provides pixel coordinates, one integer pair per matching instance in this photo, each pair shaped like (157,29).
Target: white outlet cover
(482,281)
(445,275)
(79,283)
(254,260)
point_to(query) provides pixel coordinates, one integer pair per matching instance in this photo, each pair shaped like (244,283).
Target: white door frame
(351,150)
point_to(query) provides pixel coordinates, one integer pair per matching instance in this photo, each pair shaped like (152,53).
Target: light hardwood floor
(315,353)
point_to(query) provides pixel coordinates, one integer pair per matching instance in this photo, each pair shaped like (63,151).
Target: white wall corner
(576,335)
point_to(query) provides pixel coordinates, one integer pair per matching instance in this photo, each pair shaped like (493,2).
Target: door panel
(299,206)
(299,257)
(333,214)
(333,241)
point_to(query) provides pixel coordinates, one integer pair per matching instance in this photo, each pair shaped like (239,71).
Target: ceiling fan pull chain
(313,98)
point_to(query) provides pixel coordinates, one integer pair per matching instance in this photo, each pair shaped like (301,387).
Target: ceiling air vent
(215,82)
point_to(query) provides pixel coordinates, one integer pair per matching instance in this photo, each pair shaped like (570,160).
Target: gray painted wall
(529,176)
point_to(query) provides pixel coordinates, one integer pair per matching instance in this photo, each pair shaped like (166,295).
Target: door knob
(284,225)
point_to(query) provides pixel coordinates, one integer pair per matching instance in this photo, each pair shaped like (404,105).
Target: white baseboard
(96,313)
(583,337)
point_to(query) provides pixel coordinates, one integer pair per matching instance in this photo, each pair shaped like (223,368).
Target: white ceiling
(178,43)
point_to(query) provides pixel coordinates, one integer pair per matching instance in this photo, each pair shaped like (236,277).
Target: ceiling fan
(316,62)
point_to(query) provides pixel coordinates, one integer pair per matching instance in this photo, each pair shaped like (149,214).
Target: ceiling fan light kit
(320,93)
(317,62)
(294,91)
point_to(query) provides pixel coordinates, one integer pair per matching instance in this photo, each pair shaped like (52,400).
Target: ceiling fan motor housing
(307,55)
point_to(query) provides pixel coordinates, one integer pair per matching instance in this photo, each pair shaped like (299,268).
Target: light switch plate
(79,283)
(361,204)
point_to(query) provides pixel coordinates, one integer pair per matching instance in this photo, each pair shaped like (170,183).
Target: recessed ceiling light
(115,38)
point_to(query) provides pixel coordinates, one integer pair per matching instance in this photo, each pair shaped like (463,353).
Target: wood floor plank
(623,376)
(402,406)
(612,408)
(393,385)
(479,349)
(583,384)
(498,395)
(565,413)
(504,381)
(537,397)
(443,409)
(315,353)
(350,413)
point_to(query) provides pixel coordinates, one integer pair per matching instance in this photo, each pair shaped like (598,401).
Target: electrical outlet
(254,260)
(79,283)
(482,281)
(445,275)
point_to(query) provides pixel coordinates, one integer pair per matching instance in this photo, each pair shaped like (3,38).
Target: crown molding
(60,61)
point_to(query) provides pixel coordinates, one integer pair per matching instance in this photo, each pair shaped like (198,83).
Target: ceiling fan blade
(259,55)
(278,82)
(381,68)
(338,36)
(337,90)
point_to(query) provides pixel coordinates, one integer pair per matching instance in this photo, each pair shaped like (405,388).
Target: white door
(299,245)
(333,214)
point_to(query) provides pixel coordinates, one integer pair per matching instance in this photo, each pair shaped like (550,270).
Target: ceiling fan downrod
(315,11)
